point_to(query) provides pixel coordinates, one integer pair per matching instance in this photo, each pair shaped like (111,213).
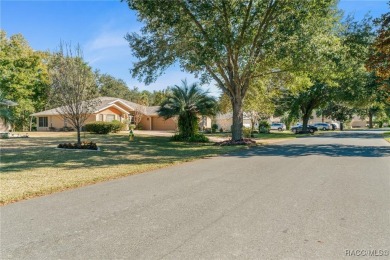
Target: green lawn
(32,166)
(387,136)
(277,135)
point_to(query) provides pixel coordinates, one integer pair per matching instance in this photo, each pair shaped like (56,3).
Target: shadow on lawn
(116,150)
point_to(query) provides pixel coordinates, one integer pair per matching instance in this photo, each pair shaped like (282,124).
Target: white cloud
(107,40)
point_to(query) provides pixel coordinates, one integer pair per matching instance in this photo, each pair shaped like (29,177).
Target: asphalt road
(314,198)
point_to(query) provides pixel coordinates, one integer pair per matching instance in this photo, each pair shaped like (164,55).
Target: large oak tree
(379,59)
(231,42)
(23,77)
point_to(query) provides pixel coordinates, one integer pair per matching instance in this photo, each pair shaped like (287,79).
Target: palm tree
(187,103)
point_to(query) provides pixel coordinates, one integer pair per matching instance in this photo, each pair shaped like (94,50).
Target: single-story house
(109,109)
(225,121)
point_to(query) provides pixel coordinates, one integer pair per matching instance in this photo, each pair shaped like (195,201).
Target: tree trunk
(305,121)
(30,122)
(237,119)
(370,115)
(341,126)
(78,134)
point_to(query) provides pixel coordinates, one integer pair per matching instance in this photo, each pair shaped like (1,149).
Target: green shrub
(99,127)
(66,129)
(83,145)
(177,138)
(221,130)
(214,128)
(197,138)
(246,131)
(117,126)
(264,127)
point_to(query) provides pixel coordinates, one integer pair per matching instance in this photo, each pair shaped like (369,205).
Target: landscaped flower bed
(244,141)
(82,146)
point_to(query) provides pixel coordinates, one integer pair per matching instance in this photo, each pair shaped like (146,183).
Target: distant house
(110,109)
(3,126)
(356,121)
(225,121)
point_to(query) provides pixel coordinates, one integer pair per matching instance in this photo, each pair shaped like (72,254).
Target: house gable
(122,104)
(115,108)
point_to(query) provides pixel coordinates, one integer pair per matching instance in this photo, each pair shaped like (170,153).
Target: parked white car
(278,126)
(323,126)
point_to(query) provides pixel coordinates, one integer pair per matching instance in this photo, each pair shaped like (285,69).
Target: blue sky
(99,26)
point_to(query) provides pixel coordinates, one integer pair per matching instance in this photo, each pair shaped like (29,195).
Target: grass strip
(31,167)
(386,135)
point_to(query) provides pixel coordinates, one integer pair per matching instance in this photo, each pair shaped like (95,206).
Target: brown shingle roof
(106,102)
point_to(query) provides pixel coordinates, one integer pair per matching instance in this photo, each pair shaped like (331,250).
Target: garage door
(159,123)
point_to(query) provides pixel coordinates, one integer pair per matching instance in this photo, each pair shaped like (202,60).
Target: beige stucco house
(110,109)
(225,121)
(356,121)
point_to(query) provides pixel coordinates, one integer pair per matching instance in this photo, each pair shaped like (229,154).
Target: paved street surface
(311,198)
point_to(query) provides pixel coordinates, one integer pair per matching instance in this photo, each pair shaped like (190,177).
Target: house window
(100,117)
(131,118)
(43,122)
(65,122)
(110,118)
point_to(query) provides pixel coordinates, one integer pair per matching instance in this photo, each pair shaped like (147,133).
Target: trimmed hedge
(83,145)
(197,138)
(117,126)
(104,127)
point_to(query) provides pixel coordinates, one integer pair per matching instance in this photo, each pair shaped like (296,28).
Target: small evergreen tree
(187,103)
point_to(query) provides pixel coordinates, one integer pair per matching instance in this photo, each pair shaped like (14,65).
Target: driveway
(324,197)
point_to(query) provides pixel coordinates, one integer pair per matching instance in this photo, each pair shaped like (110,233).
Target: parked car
(298,129)
(323,126)
(278,126)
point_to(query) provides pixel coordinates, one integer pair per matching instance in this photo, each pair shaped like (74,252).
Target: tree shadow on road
(358,135)
(332,150)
